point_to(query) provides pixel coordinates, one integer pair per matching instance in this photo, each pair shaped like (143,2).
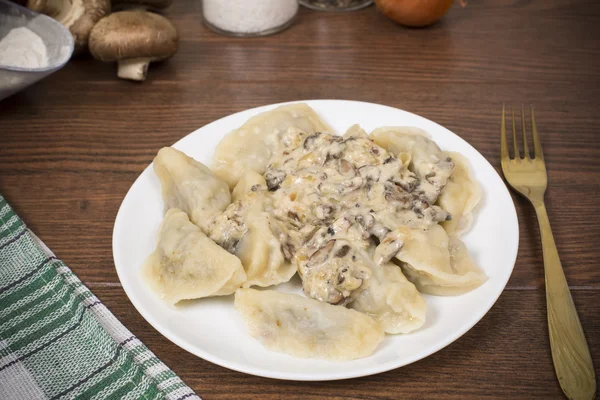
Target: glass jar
(336,5)
(249,17)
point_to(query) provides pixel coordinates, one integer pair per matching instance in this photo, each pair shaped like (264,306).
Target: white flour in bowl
(23,48)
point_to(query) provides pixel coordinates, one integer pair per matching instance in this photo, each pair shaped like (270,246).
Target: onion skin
(414,13)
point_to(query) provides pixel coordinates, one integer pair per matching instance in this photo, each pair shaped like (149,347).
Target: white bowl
(57,38)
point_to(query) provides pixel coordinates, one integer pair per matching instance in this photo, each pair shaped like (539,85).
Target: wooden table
(71,146)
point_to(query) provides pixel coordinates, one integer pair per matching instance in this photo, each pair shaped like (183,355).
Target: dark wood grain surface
(71,146)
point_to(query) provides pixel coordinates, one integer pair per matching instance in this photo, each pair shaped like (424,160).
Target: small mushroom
(134,39)
(346,168)
(342,251)
(119,5)
(370,172)
(294,219)
(396,194)
(321,255)
(379,230)
(389,160)
(366,221)
(231,245)
(348,280)
(407,180)
(288,250)
(336,148)
(274,178)
(347,186)
(79,16)
(433,213)
(310,140)
(387,248)
(324,211)
(341,225)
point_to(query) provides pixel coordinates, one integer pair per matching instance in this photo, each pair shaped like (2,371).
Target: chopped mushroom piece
(133,39)
(79,16)
(333,273)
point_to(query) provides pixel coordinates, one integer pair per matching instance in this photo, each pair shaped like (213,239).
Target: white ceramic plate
(211,328)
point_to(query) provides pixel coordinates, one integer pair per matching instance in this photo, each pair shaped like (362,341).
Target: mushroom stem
(134,68)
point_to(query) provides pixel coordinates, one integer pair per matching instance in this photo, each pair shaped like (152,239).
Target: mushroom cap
(34,5)
(152,4)
(133,34)
(79,16)
(81,25)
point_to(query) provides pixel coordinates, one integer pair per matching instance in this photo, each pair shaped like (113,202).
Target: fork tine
(515,146)
(525,145)
(537,145)
(503,146)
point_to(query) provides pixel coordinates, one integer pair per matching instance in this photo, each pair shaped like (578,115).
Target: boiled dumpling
(427,161)
(392,300)
(190,186)
(406,139)
(246,183)
(246,230)
(356,131)
(460,197)
(188,265)
(304,327)
(250,146)
(438,264)
(260,253)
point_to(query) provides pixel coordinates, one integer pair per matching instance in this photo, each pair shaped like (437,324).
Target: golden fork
(570,352)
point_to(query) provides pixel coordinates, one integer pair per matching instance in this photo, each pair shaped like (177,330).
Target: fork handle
(570,352)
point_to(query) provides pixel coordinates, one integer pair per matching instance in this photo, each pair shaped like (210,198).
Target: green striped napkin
(57,340)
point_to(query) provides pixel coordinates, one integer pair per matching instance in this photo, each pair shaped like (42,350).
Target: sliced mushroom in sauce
(332,198)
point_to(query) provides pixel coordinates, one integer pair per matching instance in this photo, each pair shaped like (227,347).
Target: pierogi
(369,222)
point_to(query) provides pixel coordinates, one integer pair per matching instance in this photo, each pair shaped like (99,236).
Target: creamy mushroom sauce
(332,199)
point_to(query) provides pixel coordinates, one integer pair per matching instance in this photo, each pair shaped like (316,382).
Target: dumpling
(250,146)
(261,255)
(246,230)
(392,300)
(304,327)
(438,264)
(460,197)
(406,139)
(356,131)
(245,184)
(427,161)
(188,265)
(333,271)
(190,186)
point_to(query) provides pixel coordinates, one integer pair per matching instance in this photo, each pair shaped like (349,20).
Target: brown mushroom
(133,39)
(119,5)
(79,16)
(34,5)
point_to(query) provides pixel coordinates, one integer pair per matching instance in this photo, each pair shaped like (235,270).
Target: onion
(416,13)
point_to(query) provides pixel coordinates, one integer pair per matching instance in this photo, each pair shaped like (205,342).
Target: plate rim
(336,375)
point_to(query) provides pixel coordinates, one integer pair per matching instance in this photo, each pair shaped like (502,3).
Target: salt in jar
(249,17)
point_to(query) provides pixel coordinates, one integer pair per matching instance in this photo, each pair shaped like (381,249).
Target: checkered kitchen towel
(57,340)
